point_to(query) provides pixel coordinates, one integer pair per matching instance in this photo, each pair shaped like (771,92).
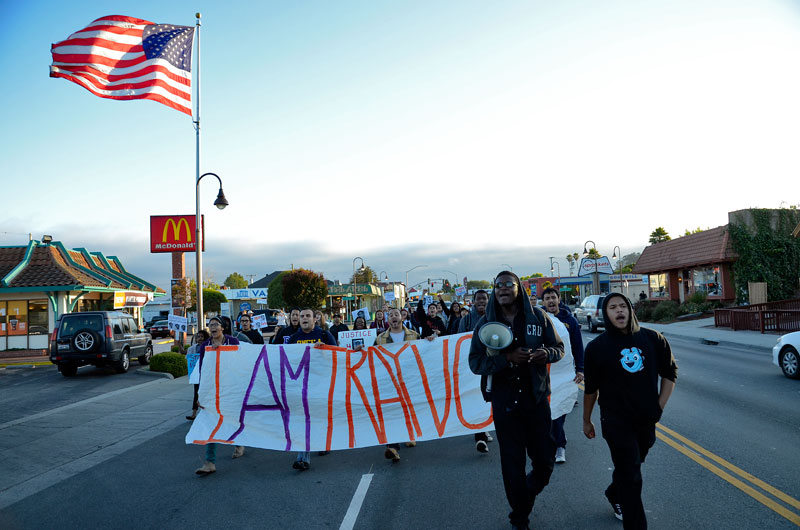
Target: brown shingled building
(43,280)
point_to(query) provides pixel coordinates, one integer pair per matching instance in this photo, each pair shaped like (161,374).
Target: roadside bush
(644,310)
(698,298)
(177,349)
(172,363)
(666,310)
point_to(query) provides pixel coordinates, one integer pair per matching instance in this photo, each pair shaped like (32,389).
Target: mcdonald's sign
(174,233)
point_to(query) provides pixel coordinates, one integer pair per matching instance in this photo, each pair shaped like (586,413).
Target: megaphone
(495,336)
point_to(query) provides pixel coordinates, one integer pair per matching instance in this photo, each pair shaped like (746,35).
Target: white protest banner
(363,312)
(461,291)
(388,296)
(259,321)
(562,375)
(177,323)
(299,398)
(357,337)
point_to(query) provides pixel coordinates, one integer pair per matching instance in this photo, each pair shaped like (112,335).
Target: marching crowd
(630,369)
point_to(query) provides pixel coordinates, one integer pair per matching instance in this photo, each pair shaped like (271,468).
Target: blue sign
(244,306)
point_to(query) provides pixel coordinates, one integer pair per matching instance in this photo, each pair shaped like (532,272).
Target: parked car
(152,321)
(100,338)
(784,354)
(590,312)
(160,329)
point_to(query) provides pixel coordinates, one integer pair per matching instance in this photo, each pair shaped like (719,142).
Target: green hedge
(177,349)
(173,363)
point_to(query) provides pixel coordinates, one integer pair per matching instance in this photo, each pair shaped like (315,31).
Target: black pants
(195,404)
(520,429)
(629,443)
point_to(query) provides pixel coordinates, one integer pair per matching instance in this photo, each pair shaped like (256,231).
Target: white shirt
(398,337)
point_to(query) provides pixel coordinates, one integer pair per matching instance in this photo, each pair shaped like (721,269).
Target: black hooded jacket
(533,330)
(625,368)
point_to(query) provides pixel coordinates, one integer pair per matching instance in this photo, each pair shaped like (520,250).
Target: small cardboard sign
(259,321)
(177,323)
(461,291)
(357,337)
(389,297)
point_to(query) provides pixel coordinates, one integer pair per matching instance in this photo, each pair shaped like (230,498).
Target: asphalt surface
(112,454)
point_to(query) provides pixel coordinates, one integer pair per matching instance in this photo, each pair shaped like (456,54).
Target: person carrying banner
(397,332)
(552,304)
(623,366)
(218,338)
(282,336)
(519,391)
(309,333)
(429,323)
(479,301)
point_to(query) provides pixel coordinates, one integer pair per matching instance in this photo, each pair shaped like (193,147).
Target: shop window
(706,281)
(18,317)
(3,318)
(659,286)
(37,317)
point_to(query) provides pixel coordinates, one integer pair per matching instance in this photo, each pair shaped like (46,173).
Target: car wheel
(124,363)
(789,362)
(86,340)
(148,354)
(68,370)
(591,325)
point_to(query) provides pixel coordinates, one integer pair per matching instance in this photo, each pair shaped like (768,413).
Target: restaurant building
(42,280)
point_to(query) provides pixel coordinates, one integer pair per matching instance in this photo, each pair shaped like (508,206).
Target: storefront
(696,263)
(41,281)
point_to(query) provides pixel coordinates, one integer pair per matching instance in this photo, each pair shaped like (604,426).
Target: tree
(365,276)
(446,288)
(658,235)
(534,275)
(572,259)
(275,292)
(594,254)
(235,281)
(211,299)
(304,288)
(629,260)
(478,284)
(688,232)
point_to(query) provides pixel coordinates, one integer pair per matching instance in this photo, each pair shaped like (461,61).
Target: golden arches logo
(176,229)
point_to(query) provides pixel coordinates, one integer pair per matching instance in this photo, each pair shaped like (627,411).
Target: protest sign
(259,321)
(297,397)
(352,338)
(426,301)
(177,323)
(191,364)
(363,312)
(461,291)
(388,296)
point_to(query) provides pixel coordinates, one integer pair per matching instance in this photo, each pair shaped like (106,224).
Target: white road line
(77,404)
(355,504)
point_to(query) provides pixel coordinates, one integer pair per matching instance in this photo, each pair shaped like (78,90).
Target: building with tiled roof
(43,280)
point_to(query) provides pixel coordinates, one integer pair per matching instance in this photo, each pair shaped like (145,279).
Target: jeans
(559,435)
(304,456)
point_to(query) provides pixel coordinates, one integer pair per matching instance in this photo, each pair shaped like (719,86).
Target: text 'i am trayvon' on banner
(300,398)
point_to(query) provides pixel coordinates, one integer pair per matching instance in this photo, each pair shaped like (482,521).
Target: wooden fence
(782,316)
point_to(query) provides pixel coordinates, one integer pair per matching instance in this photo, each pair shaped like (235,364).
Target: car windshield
(74,323)
(161,323)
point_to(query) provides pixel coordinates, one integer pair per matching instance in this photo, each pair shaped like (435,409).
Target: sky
(460,135)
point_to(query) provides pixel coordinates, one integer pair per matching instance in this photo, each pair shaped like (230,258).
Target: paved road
(726,458)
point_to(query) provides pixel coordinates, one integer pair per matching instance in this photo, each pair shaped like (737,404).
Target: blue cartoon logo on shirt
(632,360)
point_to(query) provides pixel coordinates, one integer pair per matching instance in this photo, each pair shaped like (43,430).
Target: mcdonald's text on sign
(174,233)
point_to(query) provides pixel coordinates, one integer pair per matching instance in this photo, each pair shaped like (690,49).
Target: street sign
(244,306)
(348,298)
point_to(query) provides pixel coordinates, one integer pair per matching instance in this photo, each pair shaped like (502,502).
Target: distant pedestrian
(247,333)
(337,326)
(430,324)
(468,322)
(379,323)
(282,336)
(201,336)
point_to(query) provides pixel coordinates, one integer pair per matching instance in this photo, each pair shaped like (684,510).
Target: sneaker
(489,437)
(304,466)
(207,469)
(411,444)
(193,415)
(616,507)
(238,451)
(561,455)
(297,464)
(481,446)
(323,453)
(392,454)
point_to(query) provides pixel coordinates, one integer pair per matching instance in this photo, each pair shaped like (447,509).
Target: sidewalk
(703,330)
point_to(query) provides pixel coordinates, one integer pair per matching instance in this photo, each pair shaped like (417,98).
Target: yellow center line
(691,449)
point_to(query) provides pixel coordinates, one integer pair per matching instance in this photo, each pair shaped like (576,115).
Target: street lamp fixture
(409,270)
(510,268)
(596,278)
(220,203)
(618,257)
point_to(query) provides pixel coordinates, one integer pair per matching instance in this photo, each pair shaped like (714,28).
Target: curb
(716,342)
(146,371)
(16,366)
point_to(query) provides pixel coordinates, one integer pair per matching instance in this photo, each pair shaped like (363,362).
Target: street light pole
(618,257)
(596,278)
(355,281)
(220,203)
(510,268)
(409,270)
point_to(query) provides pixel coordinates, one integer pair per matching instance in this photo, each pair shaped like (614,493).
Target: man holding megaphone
(515,343)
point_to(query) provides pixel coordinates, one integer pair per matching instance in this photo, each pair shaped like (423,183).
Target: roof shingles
(706,247)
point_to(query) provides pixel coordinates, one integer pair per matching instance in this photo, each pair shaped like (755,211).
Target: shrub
(666,310)
(697,298)
(644,309)
(172,363)
(176,349)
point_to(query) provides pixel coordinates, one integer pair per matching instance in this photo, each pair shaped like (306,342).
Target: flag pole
(197,222)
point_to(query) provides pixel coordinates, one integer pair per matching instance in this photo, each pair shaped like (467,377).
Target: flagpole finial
(198,16)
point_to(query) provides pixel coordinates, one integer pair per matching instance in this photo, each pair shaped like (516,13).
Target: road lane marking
(76,404)
(757,495)
(350,517)
(742,473)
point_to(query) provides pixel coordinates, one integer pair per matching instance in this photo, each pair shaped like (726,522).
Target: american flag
(120,57)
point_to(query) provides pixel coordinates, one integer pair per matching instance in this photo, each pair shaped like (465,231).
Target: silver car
(590,312)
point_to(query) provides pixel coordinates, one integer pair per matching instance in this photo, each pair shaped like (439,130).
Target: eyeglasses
(213,325)
(509,284)
(245,321)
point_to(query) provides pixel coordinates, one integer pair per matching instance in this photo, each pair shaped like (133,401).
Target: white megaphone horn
(495,336)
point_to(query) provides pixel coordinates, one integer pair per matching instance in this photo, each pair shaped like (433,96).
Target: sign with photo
(177,323)
(260,321)
(461,291)
(357,337)
(363,312)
